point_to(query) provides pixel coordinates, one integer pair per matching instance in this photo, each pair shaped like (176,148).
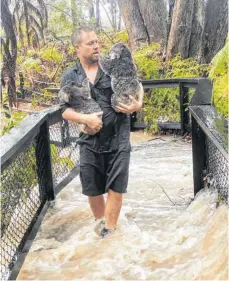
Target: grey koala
(79,98)
(119,65)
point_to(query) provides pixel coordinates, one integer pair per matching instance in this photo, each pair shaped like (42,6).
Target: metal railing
(39,157)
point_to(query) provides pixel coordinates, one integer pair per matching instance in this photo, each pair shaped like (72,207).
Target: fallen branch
(165,192)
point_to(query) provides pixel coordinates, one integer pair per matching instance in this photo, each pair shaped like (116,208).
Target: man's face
(88,48)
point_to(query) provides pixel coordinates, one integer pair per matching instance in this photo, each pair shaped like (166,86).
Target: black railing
(39,157)
(210,150)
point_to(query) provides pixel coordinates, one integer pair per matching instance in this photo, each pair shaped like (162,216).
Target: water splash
(155,239)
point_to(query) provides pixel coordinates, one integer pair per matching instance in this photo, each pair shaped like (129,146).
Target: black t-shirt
(115,133)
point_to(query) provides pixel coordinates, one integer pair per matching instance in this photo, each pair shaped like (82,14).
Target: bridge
(39,158)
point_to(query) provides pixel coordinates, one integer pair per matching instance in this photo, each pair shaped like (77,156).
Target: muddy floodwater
(162,233)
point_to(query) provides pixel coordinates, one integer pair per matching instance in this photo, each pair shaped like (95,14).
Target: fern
(219,76)
(219,64)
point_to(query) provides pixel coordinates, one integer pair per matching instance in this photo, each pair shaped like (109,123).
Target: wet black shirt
(115,132)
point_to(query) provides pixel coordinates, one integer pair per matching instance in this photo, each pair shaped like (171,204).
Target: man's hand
(86,130)
(134,106)
(93,121)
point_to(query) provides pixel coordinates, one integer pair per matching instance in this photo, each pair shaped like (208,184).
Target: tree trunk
(180,33)
(133,22)
(154,14)
(97,14)
(10,52)
(44,12)
(169,23)
(91,9)
(113,9)
(26,21)
(216,27)
(119,21)
(196,39)
(73,12)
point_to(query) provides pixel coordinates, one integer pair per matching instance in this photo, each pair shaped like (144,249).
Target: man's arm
(91,120)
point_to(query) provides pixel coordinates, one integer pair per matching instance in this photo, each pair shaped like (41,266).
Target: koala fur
(120,67)
(79,98)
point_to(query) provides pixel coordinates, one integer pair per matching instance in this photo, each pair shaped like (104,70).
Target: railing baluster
(44,167)
(199,155)
(184,112)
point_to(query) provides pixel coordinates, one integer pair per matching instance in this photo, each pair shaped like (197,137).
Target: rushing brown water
(162,234)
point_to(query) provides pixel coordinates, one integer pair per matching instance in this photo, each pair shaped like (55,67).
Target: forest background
(168,39)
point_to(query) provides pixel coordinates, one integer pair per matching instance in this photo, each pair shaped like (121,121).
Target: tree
(196,43)
(9,44)
(97,13)
(145,20)
(198,30)
(216,27)
(113,13)
(154,14)
(34,17)
(133,21)
(73,11)
(169,23)
(181,27)
(91,9)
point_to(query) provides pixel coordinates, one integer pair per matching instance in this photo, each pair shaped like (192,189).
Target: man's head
(86,44)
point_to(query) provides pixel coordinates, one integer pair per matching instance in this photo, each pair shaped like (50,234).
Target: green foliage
(56,159)
(60,21)
(148,62)
(13,120)
(219,75)
(9,119)
(52,55)
(21,177)
(163,104)
(31,65)
(184,68)
(106,40)
(121,36)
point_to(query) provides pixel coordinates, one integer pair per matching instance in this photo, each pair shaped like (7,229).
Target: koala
(79,98)
(120,67)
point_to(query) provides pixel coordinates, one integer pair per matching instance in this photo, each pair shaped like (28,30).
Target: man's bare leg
(112,209)
(97,205)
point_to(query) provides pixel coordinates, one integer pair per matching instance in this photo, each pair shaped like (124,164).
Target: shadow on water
(162,233)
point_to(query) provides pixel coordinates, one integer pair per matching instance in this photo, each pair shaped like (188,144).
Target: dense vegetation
(35,40)
(42,68)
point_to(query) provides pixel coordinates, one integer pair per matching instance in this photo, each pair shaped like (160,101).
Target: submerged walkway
(162,234)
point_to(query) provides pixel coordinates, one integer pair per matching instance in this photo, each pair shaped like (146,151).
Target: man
(104,156)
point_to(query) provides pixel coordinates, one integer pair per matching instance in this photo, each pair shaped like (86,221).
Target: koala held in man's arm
(119,65)
(78,97)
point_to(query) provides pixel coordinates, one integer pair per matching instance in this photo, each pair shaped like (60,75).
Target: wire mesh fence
(64,149)
(25,185)
(20,201)
(217,169)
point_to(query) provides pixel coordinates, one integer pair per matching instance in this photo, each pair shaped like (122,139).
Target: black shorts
(100,172)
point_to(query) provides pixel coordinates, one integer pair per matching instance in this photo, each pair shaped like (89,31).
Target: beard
(93,59)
